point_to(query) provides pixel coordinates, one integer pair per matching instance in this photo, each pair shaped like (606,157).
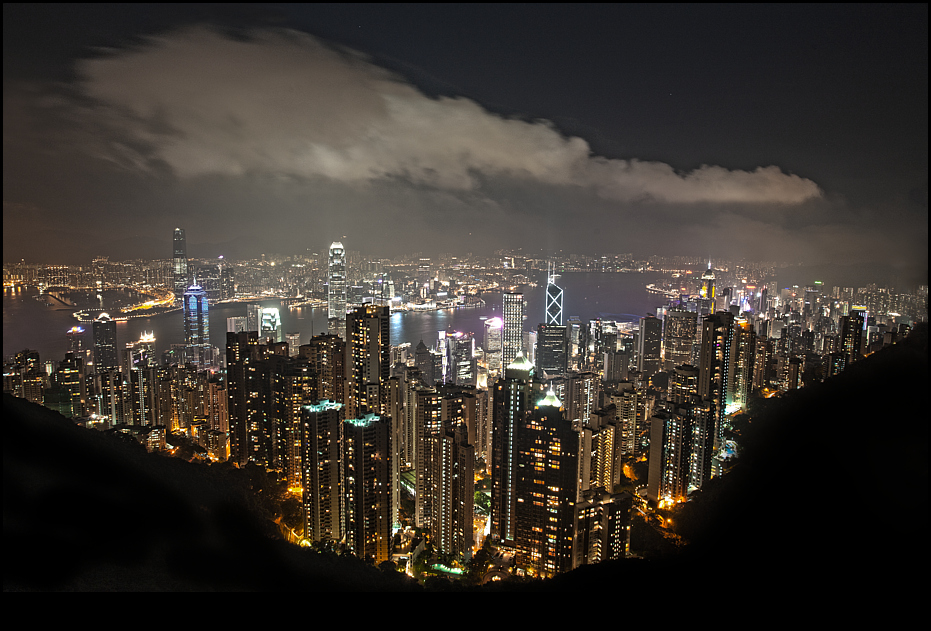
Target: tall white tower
(553,298)
(336,291)
(512,340)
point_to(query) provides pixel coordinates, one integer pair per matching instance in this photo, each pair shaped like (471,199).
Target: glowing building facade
(336,290)
(554,300)
(197,326)
(546,489)
(512,339)
(179,264)
(368,485)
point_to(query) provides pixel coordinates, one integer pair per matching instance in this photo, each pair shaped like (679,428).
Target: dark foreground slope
(827,504)
(84,510)
(828,501)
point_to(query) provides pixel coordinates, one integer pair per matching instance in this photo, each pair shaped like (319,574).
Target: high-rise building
(649,346)
(626,400)
(707,291)
(511,401)
(428,426)
(197,326)
(742,356)
(424,360)
(294,343)
(327,357)
(513,315)
(368,486)
(681,451)
(105,353)
(493,334)
(270,325)
(236,324)
(322,481)
(142,383)
(369,367)
(680,328)
(246,419)
(602,527)
(715,366)
(453,527)
(76,341)
(852,335)
(554,300)
(68,387)
(546,489)
(581,395)
(336,290)
(461,365)
(180,272)
(552,349)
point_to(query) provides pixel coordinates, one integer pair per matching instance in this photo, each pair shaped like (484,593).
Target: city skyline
(798,133)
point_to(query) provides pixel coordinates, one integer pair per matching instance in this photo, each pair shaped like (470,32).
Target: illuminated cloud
(283,104)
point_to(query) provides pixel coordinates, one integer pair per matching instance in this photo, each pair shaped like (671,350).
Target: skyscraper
(322,481)
(512,309)
(368,484)
(546,488)
(493,329)
(105,355)
(179,264)
(141,378)
(650,346)
(197,326)
(369,352)
(554,297)
(715,366)
(460,359)
(510,405)
(270,325)
(852,335)
(679,333)
(336,290)
(552,349)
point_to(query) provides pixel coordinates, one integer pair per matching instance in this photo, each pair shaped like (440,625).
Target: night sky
(773,132)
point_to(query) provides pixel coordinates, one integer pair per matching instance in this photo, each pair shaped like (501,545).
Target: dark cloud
(274,140)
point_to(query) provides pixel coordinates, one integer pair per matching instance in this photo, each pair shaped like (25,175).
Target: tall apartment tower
(428,425)
(336,290)
(105,354)
(852,335)
(368,486)
(326,354)
(180,273)
(554,300)
(369,366)
(679,333)
(322,479)
(715,366)
(681,450)
(245,410)
(649,346)
(452,527)
(546,489)
(512,310)
(742,356)
(510,404)
(196,326)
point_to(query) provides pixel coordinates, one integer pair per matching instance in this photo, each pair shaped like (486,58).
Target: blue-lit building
(554,300)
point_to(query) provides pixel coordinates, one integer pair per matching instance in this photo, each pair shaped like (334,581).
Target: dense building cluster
(549,417)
